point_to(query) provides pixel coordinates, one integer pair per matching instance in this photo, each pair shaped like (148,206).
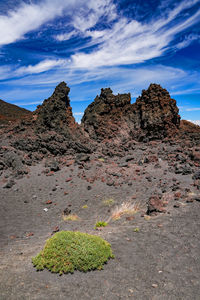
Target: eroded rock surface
(153,116)
(158,112)
(55,112)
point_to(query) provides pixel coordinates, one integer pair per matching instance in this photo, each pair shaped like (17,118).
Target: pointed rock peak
(106,92)
(61,92)
(55,112)
(158,112)
(154,93)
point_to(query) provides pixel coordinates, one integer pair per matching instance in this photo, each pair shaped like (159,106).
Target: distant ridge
(10,112)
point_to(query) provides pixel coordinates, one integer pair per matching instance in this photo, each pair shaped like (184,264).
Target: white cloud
(66,36)
(43,66)
(123,42)
(27,17)
(120,79)
(131,42)
(196,122)
(94,10)
(193,109)
(28,104)
(78,113)
(187,41)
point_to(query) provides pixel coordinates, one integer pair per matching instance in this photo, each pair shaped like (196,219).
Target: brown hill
(10,112)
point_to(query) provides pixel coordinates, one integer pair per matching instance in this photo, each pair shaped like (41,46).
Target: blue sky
(122,44)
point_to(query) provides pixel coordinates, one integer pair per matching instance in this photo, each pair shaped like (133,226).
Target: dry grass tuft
(70,218)
(126,208)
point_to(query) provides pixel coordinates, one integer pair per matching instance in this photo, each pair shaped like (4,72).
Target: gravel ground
(158,260)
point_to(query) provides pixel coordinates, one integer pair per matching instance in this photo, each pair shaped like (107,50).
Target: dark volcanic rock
(103,118)
(153,116)
(155,204)
(158,112)
(53,130)
(55,113)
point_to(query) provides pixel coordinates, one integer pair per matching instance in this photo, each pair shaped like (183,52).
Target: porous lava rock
(155,205)
(104,118)
(51,130)
(154,115)
(158,112)
(55,113)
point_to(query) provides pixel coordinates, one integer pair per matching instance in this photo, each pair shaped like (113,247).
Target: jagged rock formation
(153,116)
(55,113)
(104,117)
(111,126)
(158,112)
(50,131)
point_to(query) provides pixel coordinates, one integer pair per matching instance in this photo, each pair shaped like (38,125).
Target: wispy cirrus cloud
(120,79)
(17,22)
(29,16)
(78,114)
(196,122)
(193,109)
(187,40)
(131,42)
(41,67)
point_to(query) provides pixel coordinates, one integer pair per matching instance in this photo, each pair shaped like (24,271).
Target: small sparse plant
(70,218)
(108,202)
(84,206)
(68,251)
(100,224)
(137,229)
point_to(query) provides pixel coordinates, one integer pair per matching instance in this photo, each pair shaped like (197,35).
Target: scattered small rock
(66,211)
(9,184)
(155,204)
(48,202)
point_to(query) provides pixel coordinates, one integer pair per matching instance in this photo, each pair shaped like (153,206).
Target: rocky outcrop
(153,116)
(52,131)
(55,113)
(111,126)
(104,118)
(158,112)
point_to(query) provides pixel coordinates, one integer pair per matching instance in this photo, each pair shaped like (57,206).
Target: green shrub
(100,224)
(67,251)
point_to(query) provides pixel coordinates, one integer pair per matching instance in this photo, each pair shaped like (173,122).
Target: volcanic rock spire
(158,112)
(55,113)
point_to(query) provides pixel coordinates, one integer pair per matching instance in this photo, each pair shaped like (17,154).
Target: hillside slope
(11,112)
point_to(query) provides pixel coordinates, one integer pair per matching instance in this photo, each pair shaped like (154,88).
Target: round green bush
(67,251)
